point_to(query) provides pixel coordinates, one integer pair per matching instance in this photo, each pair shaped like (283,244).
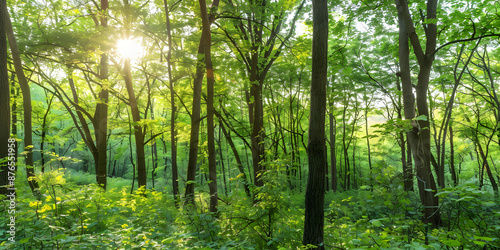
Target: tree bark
(333,157)
(419,137)
(314,199)
(101,109)
(138,132)
(4,107)
(452,159)
(173,131)
(195,115)
(212,167)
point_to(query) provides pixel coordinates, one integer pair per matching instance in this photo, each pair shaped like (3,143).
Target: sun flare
(129,48)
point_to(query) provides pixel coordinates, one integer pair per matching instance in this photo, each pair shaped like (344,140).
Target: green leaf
(420,118)
(60,237)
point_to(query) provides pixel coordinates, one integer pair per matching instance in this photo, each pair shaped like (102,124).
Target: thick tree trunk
(314,200)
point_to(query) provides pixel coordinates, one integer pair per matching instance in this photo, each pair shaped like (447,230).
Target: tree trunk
(44,133)
(173,131)
(314,200)
(239,164)
(101,109)
(333,157)
(419,137)
(138,133)
(212,167)
(25,89)
(486,166)
(405,148)
(5,143)
(368,147)
(195,115)
(452,158)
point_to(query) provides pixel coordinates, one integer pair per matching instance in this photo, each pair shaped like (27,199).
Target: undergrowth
(70,215)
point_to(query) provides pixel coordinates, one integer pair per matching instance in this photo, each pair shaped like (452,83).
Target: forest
(249,124)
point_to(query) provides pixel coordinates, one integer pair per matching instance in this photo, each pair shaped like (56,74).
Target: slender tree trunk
(314,200)
(212,167)
(25,89)
(219,143)
(5,143)
(195,115)
(44,133)
(195,126)
(368,147)
(452,159)
(136,116)
(258,134)
(101,110)
(154,149)
(173,131)
(419,137)
(333,157)
(138,133)
(405,148)
(486,167)
(131,153)
(239,164)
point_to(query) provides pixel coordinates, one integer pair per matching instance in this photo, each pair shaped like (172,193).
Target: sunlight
(129,48)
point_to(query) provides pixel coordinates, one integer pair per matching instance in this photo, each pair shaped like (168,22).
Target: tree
(25,89)
(419,136)
(212,167)
(314,201)
(195,115)
(173,131)
(248,41)
(101,109)
(4,105)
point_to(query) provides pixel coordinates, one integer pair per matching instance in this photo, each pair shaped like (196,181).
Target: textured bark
(314,200)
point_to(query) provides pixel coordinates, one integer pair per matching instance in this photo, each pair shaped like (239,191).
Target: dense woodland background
(122,142)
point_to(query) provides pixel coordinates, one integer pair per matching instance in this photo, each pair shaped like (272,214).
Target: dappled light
(249,125)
